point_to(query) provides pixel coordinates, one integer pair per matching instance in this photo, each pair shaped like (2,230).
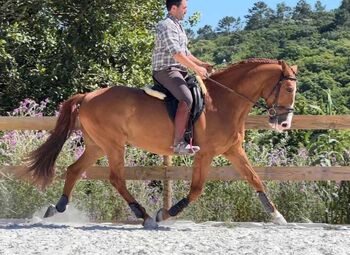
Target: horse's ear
(287,69)
(294,69)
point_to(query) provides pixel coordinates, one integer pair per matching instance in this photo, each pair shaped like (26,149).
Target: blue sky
(214,10)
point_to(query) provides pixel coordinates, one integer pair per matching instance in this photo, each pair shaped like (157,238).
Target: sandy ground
(36,236)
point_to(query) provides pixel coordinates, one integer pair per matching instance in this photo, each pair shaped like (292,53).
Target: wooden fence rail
(253,122)
(168,173)
(227,173)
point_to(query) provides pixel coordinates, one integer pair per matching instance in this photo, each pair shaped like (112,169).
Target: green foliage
(259,16)
(206,33)
(228,24)
(302,11)
(57,48)
(310,37)
(342,17)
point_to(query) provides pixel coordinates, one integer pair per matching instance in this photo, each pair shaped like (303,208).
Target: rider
(170,61)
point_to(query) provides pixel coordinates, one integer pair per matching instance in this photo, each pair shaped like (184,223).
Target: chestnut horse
(112,117)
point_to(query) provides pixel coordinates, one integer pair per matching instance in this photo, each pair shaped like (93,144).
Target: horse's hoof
(278,219)
(162,215)
(150,223)
(159,215)
(61,206)
(51,211)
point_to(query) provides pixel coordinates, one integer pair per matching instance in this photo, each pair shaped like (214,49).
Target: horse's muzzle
(281,122)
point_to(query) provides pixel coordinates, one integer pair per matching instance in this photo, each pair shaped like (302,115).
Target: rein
(272,111)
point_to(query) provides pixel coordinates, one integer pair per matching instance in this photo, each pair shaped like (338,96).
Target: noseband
(272,111)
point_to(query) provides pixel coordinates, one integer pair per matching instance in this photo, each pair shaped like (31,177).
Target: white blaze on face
(285,125)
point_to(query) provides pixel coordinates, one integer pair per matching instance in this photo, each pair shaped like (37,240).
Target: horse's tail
(41,161)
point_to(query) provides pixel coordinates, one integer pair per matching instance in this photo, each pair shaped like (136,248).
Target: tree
(302,11)
(190,23)
(283,11)
(319,8)
(190,33)
(322,18)
(194,19)
(259,16)
(228,24)
(57,48)
(342,17)
(206,32)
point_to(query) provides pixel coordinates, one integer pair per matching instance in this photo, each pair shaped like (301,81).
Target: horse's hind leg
(91,153)
(117,179)
(237,156)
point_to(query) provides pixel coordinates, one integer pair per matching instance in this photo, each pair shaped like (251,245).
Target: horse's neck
(249,81)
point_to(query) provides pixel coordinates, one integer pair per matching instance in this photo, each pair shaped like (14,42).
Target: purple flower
(43,104)
(27,101)
(153,199)
(84,175)
(40,134)
(13,143)
(78,152)
(277,157)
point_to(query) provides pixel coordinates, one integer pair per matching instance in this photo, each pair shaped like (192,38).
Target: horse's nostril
(284,125)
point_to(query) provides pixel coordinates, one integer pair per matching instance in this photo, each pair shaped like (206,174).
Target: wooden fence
(168,173)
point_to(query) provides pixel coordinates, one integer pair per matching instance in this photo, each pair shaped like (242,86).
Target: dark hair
(170,3)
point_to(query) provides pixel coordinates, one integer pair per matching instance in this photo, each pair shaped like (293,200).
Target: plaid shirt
(170,39)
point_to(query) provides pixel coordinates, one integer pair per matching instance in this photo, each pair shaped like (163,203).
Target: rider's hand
(202,72)
(208,66)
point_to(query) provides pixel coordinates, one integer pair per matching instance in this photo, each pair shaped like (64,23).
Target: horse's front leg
(237,156)
(199,175)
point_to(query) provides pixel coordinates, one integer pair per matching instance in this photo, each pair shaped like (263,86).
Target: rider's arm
(196,60)
(185,61)
(189,63)
(206,65)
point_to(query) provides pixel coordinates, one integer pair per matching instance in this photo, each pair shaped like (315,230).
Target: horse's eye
(290,90)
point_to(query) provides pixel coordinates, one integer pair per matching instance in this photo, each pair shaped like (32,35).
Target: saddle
(171,103)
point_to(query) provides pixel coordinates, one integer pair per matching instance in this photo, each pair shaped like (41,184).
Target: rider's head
(177,8)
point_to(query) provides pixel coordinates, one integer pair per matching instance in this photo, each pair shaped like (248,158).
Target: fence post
(167,185)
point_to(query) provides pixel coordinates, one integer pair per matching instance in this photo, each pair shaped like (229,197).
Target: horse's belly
(151,129)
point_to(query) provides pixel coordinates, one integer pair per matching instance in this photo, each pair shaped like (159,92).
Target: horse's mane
(247,61)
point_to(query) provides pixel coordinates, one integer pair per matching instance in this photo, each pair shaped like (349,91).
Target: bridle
(272,111)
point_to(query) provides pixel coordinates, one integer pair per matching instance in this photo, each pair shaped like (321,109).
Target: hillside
(318,41)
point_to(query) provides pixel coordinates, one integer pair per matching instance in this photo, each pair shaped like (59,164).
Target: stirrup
(184,148)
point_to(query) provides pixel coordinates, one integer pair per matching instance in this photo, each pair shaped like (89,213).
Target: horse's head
(280,99)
